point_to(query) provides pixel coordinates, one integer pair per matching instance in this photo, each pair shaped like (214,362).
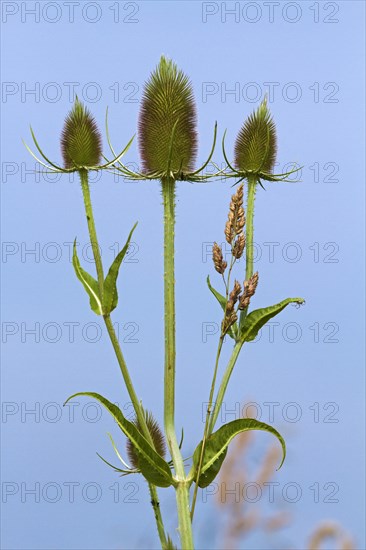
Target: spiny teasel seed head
(81,142)
(167,106)
(218,259)
(249,288)
(256,143)
(156,435)
(236,216)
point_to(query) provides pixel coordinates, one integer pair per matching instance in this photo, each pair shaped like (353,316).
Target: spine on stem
(249,237)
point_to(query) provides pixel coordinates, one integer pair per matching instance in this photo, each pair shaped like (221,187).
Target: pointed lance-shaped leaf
(81,142)
(152,466)
(110,293)
(167,122)
(256,143)
(253,322)
(89,283)
(217,446)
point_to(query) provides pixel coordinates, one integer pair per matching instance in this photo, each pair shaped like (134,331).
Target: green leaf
(217,445)
(152,466)
(110,294)
(259,317)
(222,301)
(89,283)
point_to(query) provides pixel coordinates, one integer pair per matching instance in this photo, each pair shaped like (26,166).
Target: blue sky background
(312,53)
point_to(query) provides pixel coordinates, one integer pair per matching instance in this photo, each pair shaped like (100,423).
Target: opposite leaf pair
(157,471)
(102,305)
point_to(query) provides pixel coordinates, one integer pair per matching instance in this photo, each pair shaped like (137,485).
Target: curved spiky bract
(81,142)
(167,122)
(156,435)
(256,144)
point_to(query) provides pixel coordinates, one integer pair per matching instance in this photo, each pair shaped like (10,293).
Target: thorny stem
(252,187)
(182,489)
(249,248)
(92,230)
(117,348)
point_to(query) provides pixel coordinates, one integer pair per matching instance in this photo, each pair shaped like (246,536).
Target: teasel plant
(81,147)
(167,138)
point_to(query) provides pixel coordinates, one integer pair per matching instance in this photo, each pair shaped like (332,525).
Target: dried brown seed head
(239,195)
(235,293)
(239,245)
(249,290)
(229,234)
(230,312)
(218,260)
(244,302)
(236,217)
(228,321)
(240,221)
(253,282)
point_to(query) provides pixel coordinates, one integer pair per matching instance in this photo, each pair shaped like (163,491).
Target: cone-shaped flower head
(81,142)
(167,123)
(256,144)
(156,435)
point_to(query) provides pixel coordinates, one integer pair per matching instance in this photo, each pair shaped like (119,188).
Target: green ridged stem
(92,231)
(116,346)
(206,431)
(224,384)
(252,187)
(249,236)
(182,489)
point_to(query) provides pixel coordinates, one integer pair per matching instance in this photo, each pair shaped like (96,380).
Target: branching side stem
(207,431)
(224,383)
